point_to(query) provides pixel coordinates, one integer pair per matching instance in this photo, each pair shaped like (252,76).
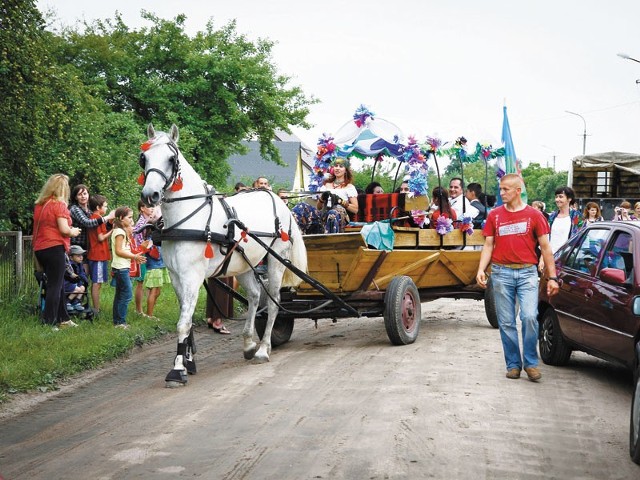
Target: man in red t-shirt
(512,232)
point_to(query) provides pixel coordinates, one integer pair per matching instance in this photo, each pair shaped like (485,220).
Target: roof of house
(252,165)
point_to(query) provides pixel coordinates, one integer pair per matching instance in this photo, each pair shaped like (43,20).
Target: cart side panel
(407,237)
(330,258)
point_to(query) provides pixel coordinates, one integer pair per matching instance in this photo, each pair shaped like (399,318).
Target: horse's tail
(298,256)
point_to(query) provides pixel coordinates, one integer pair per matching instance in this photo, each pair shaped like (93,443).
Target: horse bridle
(174,159)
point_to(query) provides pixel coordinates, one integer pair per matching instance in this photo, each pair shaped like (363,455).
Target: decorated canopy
(367,136)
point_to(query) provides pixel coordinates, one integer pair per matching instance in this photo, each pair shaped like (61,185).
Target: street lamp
(627,57)
(584,134)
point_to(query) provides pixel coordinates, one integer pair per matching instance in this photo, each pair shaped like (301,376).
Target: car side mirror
(615,276)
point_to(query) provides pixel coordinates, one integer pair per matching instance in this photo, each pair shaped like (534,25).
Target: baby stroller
(80,310)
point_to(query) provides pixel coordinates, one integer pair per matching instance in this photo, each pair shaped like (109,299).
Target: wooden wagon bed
(344,263)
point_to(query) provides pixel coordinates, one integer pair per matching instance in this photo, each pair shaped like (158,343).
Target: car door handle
(588,293)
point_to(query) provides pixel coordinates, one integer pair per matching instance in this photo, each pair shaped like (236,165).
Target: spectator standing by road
(146,215)
(121,264)
(591,213)
(540,206)
(512,232)
(99,253)
(622,212)
(51,240)
(81,215)
(262,182)
(565,221)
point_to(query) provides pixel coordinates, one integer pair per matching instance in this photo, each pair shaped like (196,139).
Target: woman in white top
(339,197)
(564,222)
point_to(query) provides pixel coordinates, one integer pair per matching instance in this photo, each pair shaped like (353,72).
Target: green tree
(25,106)
(218,87)
(542,182)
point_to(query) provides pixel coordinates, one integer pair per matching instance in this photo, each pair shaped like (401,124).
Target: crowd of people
(75,243)
(81,246)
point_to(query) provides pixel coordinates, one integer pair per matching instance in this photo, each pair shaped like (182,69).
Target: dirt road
(337,402)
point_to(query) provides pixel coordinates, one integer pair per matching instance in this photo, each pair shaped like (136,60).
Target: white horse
(204,235)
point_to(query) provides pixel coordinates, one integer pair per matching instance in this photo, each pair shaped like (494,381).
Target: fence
(16,266)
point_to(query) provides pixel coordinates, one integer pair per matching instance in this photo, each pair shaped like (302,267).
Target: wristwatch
(555,279)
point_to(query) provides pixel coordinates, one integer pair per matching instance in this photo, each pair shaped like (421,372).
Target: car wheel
(490,305)
(553,348)
(634,428)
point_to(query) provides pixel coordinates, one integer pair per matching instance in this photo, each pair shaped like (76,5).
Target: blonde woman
(52,231)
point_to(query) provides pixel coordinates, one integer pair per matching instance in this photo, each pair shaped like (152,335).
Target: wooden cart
(422,266)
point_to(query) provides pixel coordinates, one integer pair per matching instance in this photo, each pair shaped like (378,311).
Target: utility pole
(584,134)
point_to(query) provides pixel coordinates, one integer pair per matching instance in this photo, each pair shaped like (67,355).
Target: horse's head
(160,159)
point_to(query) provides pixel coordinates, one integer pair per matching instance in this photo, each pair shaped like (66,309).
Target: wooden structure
(422,266)
(605,175)
(344,263)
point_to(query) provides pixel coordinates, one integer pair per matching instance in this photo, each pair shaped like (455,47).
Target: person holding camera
(339,197)
(621,213)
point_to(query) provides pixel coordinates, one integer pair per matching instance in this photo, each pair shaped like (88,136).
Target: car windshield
(586,255)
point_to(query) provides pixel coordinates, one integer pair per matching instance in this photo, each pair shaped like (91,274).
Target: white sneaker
(68,323)
(123,326)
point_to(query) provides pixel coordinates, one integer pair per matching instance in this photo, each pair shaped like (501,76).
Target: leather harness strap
(227,241)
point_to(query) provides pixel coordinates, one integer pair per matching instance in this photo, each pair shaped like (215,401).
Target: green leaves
(78,101)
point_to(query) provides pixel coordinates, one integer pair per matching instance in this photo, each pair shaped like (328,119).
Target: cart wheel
(402,311)
(490,305)
(281,332)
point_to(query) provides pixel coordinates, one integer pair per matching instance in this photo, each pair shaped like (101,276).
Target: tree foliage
(218,87)
(542,182)
(78,101)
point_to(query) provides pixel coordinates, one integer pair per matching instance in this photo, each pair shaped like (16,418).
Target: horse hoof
(174,384)
(176,378)
(260,359)
(191,367)
(249,354)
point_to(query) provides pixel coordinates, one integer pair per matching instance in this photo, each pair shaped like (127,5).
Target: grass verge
(35,357)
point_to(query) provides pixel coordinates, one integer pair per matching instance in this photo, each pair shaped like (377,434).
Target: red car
(597,310)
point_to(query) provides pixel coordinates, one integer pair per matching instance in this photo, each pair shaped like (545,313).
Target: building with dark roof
(294,175)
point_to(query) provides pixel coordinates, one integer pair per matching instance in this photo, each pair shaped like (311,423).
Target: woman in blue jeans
(121,264)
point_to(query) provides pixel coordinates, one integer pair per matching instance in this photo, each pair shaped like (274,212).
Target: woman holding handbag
(51,238)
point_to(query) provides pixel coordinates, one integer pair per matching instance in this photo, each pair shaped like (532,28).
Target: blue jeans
(124,294)
(509,284)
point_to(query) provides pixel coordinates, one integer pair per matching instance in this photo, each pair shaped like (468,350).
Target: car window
(619,254)
(587,253)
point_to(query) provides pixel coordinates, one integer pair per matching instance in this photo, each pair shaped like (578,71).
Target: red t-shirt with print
(515,234)
(45,225)
(99,251)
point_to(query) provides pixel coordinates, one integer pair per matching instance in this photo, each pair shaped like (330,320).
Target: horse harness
(227,242)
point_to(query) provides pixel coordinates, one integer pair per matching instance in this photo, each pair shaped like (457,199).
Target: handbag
(37,266)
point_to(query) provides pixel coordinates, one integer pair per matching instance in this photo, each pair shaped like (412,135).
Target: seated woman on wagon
(338,198)
(441,207)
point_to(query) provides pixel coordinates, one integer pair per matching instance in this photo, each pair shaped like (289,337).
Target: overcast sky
(442,67)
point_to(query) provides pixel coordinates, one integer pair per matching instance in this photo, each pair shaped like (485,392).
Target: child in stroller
(76,283)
